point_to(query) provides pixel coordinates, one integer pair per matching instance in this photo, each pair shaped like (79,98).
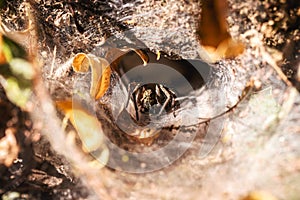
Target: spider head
(146,99)
(152,100)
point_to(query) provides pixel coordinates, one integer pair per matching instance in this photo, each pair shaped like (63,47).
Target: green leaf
(12,49)
(16,73)
(16,92)
(7,52)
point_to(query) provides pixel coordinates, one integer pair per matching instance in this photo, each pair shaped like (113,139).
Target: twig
(269,59)
(245,93)
(52,129)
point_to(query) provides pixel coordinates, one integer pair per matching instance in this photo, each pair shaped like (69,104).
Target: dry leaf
(100,72)
(87,126)
(259,195)
(115,54)
(213,32)
(16,73)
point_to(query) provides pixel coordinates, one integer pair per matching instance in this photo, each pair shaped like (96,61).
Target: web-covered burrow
(261,131)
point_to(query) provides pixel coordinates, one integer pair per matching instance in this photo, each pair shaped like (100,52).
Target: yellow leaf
(228,48)
(100,72)
(87,126)
(115,54)
(259,195)
(16,91)
(80,63)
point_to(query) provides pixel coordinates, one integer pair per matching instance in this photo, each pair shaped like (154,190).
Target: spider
(155,81)
(153,94)
(151,100)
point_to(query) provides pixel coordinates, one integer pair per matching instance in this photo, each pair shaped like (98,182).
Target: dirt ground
(251,152)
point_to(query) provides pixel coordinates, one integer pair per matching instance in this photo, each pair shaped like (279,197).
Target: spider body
(151,100)
(158,81)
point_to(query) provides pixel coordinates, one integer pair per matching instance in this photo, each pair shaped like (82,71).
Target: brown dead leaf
(213,32)
(89,131)
(115,54)
(100,72)
(88,127)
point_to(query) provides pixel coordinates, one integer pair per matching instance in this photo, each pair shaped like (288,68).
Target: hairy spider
(158,81)
(151,100)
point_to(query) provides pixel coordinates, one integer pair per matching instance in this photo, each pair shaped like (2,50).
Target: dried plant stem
(268,58)
(52,129)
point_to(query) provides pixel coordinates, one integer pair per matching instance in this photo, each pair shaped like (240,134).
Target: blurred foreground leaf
(16,73)
(259,195)
(16,93)
(11,49)
(213,32)
(88,128)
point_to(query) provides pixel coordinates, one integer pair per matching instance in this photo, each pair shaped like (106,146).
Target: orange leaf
(2,55)
(100,72)
(213,32)
(87,126)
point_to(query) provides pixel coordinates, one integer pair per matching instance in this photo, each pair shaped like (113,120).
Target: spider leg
(134,98)
(174,101)
(166,92)
(129,89)
(135,105)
